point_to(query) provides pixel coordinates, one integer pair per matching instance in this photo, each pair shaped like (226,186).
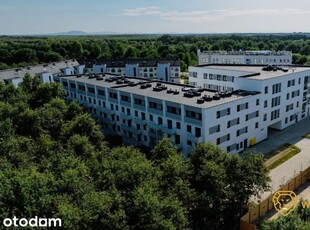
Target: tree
(25,55)
(224,184)
(83,125)
(119,50)
(95,51)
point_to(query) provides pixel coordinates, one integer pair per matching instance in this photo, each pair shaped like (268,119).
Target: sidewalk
(291,135)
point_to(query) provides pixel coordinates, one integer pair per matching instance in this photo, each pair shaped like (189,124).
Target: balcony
(128,128)
(192,138)
(153,126)
(126,116)
(110,112)
(167,131)
(139,121)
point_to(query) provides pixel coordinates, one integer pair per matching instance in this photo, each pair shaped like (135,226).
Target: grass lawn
(282,154)
(307,136)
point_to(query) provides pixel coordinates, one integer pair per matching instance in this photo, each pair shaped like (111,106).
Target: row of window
(219,77)
(218,87)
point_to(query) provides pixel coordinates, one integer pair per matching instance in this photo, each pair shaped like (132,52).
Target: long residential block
(235,114)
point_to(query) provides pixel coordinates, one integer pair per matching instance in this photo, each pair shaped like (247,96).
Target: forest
(23,51)
(55,162)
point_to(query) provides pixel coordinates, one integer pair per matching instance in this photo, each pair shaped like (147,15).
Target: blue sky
(157,16)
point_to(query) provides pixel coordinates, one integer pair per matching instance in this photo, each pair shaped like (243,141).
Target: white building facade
(165,70)
(142,112)
(264,57)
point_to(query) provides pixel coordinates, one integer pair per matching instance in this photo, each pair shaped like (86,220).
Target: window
(193,115)
(151,117)
(205,76)
(101,92)
(266,89)
(189,128)
(139,101)
(265,103)
(173,110)
(211,76)
(276,88)
(197,132)
(160,121)
(189,143)
(72,85)
(81,88)
(256,125)
(257,101)
(177,139)
(155,105)
(178,125)
(91,90)
(113,95)
(125,98)
(169,124)
(265,116)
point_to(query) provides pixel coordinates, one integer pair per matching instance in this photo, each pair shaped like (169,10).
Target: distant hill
(79,33)
(70,33)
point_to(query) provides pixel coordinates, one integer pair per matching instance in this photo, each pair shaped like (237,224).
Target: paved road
(291,135)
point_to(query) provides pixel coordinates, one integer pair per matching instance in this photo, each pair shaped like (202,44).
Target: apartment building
(44,71)
(165,70)
(284,93)
(263,57)
(234,108)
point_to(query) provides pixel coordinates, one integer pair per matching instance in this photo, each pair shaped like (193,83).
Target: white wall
(46,77)
(101,68)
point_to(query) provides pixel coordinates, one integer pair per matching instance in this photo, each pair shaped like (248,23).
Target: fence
(264,206)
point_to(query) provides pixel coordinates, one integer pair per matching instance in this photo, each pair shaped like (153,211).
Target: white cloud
(209,15)
(153,10)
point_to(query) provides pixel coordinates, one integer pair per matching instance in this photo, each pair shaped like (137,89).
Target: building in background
(164,70)
(44,71)
(263,57)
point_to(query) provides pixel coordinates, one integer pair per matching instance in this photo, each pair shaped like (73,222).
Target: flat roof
(20,72)
(162,95)
(250,52)
(256,71)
